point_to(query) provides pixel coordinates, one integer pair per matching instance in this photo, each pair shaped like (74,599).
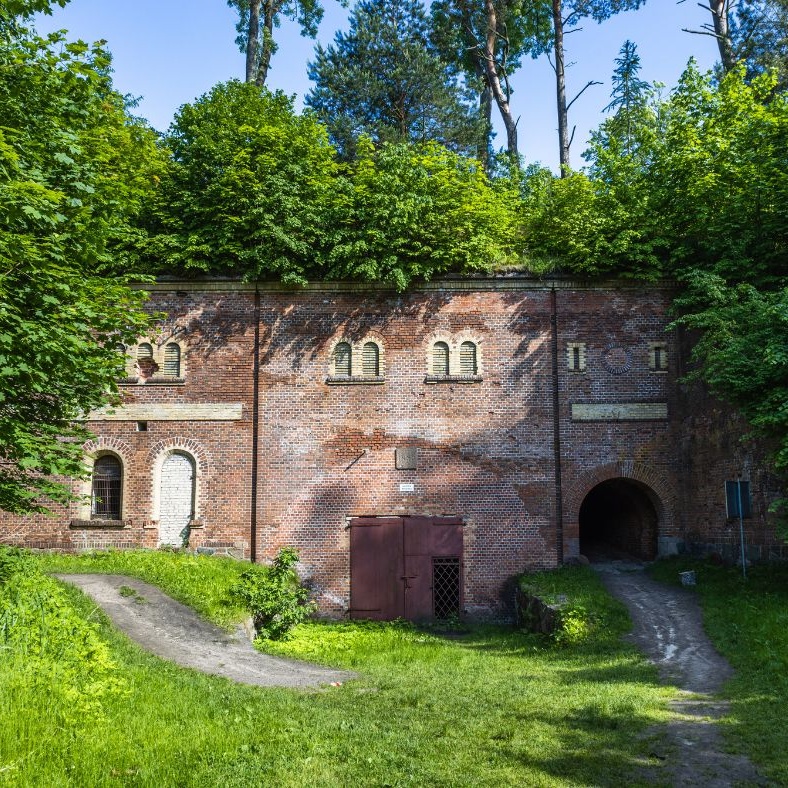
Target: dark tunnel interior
(618,520)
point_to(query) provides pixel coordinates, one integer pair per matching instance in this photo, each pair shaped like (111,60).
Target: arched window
(342,360)
(172,360)
(468,365)
(145,363)
(105,493)
(440,359)
(370,362)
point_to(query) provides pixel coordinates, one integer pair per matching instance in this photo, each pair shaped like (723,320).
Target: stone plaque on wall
(406,459)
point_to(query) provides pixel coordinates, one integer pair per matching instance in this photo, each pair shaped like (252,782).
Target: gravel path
(668,628)
(175,632)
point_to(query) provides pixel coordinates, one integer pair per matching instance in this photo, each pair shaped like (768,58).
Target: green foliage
(384,79)
(537,714)
(74,170)
(274,596)
(743,350)
(248,191)
(748,623)
(48,650)
(588,614)
(414,212)
(760,37)
(200,581)
(14,11)
(254,190)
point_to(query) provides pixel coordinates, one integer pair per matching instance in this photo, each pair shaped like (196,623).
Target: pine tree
(383,78)
(630,94)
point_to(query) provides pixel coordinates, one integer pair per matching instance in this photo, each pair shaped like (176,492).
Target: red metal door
(417,540)
(376,568)
(392,566)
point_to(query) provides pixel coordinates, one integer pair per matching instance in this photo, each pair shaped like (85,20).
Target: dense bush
(274,596)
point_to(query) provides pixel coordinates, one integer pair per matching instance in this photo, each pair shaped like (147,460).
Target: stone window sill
(453,379)
(115,524)
(160,380)
(355,380)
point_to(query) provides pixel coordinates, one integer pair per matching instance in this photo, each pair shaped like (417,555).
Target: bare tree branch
(588,85)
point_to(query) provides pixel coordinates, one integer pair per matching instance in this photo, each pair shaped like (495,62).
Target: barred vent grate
(342,360)
(172,361)
(440,359)
(370,362)
(467,358)
(446,587)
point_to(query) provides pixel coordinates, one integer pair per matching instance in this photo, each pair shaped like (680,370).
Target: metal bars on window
(440,359)
(446,587)
(468,364)
(370,361)
(342,360)
(106,488)
(172,360)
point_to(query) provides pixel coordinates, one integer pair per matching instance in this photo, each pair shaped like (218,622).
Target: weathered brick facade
(574,386)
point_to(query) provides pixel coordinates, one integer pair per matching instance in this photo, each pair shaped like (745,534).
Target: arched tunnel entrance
(618,519)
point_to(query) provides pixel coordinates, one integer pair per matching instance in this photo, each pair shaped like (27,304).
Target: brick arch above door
(663,490)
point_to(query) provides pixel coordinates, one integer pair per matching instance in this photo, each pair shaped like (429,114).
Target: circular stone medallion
(616,359)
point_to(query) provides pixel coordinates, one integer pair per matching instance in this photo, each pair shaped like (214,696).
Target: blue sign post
(738,503)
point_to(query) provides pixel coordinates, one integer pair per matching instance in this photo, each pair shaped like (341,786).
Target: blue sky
(171,51)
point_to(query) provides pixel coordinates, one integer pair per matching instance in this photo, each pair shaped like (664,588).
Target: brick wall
(485,445)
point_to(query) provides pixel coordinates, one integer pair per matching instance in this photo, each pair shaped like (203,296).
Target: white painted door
(176,501)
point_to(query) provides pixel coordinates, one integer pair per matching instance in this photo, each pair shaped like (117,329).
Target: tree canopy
(75,168)
(383,78)
(255,190)
(249,190)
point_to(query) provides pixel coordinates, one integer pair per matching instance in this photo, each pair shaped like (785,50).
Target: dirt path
(175,632)
(668,628)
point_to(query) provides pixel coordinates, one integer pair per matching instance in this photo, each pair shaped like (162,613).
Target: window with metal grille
(370,361)
(659,357)
(342,360)
(576,356)
(172,360)
(106,488)
(468,364)
(440,359)
(446,587)
(144,351)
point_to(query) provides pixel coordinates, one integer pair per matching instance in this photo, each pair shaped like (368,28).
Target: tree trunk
(252,37)
(560,84)
(494,82)
(270,7)
(485,114)
(722,31)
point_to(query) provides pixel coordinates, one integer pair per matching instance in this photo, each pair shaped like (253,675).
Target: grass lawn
(748,623)
(492,707)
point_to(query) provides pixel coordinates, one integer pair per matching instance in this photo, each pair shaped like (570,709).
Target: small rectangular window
(659,357)
(576,356)
(736,493)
